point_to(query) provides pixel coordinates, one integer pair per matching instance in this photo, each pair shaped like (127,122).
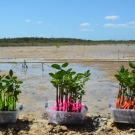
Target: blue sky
(84,19)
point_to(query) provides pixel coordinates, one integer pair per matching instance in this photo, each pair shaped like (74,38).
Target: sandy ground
(98,93)
(70,52)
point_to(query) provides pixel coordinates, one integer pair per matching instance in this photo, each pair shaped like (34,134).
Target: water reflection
(28,70)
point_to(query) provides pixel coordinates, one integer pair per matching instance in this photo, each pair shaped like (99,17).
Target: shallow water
(37,89)
(35,69)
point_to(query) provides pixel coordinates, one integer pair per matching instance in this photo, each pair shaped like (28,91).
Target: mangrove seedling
(9,91)
(126,92)
(69,87)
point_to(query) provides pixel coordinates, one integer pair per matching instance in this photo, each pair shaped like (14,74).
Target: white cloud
(40,22)
(111,17)
(130,25)
(116,25)
(84,24)
(86,30)
(122,25)
(109,25)
(27,20)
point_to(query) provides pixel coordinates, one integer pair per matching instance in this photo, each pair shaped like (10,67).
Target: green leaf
(83,92)
(11,73)
(10,88)
(19,82)
(7,77)
(14,78)
(80,74)
(65,65)
(122,70)
(86,79)
(54,82)
(117,76)
(52,75)
(56,66)
(131,65)
(69,70)
(73,72)
(1,77)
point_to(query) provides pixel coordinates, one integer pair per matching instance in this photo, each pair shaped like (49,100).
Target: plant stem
(57,91)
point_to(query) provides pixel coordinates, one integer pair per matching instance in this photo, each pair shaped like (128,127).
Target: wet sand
(100,90)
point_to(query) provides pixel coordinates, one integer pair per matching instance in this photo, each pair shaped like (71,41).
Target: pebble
(64,128)
(131,130)
(104,119)
(94,125)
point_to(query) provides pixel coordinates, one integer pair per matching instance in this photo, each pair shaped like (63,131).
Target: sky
(81,19)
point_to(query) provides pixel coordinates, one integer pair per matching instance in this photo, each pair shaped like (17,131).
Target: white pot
(7,117)
(61,117)
(122,115)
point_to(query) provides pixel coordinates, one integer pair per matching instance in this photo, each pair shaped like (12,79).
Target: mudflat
(106,58)
(100,90)
(121,51)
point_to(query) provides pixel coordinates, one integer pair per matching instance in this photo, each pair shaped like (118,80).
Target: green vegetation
(35,41)
(126,93)
(9,91)
(69,87)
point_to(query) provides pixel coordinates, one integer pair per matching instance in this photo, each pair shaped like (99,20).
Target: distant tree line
(40,41)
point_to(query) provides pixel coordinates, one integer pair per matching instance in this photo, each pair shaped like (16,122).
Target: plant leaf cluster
(126,80)
(68,83)
(9,91)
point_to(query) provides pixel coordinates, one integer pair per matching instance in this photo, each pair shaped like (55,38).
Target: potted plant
(68,107)
(124,109)
(9,91)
